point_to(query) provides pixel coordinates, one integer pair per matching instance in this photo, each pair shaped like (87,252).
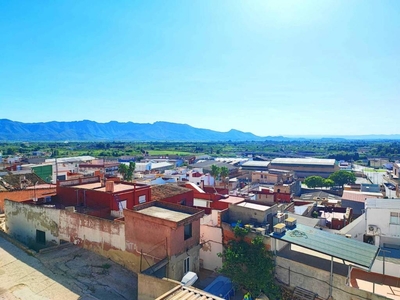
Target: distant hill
(114,131)
(159,131)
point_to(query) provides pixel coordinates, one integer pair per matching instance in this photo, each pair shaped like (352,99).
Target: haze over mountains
(115,131)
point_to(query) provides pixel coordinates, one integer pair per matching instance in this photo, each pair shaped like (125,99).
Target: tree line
(338,178)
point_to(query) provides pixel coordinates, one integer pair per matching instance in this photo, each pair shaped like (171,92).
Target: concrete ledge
(56,247)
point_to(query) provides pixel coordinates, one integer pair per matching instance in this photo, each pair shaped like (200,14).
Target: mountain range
(116,131)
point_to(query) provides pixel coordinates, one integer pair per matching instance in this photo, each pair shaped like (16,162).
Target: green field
(374,170)
(170,152)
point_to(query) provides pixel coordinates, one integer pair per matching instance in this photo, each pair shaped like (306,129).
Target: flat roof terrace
(254,206)
(175,213)
(118,187)
(164,213)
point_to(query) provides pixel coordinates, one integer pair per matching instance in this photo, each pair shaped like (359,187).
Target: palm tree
(224,171)
(215,172)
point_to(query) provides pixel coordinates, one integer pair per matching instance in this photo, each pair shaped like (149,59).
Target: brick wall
(23,195)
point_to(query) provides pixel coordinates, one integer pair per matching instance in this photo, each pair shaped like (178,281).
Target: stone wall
(102,236)
(23,221)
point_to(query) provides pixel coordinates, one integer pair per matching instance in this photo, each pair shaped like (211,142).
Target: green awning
(338,246)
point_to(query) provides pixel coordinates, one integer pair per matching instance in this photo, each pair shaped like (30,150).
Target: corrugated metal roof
(338,246)
(304,161)
(71,159)
(253,163)
(319,196)
(161,165)
(208,163)
(188,293)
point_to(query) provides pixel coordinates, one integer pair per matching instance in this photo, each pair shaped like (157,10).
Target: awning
(334,245)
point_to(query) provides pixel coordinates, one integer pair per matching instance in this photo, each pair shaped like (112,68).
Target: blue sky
(267,67)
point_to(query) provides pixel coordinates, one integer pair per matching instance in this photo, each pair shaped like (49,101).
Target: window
(186,265)
(142,199)
(395,218)
(40,237)
(122,204)
(183,202)
(188,231)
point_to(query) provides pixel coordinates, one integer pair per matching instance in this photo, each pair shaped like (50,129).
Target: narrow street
(67,274)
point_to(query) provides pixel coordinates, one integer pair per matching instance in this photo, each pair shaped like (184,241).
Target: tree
(215,172)
(249,265)
(314,181)
(341,178)
(328,182)
(123,170)
(127,171)
(11,151)
(224,172)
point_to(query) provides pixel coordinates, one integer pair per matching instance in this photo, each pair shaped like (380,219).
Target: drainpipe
(331,279)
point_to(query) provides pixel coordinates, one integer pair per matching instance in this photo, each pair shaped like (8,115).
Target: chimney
(110,186)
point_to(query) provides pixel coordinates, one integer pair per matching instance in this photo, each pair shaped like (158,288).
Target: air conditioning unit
(372,229)
(290,222)
(280,228)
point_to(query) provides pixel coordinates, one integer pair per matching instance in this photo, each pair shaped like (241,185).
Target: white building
(65,165)
(383,221)
(13,160)
(197,176)
(141,167)
(211,241)
(379,225)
